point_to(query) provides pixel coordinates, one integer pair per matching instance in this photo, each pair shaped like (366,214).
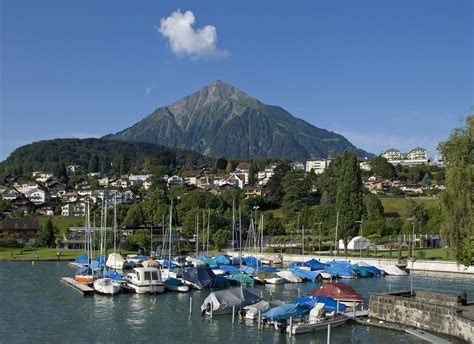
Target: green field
(43,254)
(62,223)
(398,205)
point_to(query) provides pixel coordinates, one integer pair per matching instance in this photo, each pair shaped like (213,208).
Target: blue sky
(382,73)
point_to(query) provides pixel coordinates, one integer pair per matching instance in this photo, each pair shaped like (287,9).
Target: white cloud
(186,41)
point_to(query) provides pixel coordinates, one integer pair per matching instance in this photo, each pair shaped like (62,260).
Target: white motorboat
(251,312)
(275,280)
(317,320)
(107,286)
(145,281)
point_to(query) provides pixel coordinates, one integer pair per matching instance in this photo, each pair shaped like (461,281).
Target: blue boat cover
(142,257)
(223,260)
(268,269)
(315,264)
(167,263)
(82,259)
(96,265)
(305,274)
(287,311)
(211,262)
(295,265)
(100,259)
(85,270)
(247,270)
(241,279)
(173,282)
(229,269)
(372,270)
(329,303)
(340,268)
(251,261)
(201,258)
(204,277)
(113,275)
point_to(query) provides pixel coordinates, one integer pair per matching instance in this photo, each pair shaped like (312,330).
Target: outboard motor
(281,325)
(242,313)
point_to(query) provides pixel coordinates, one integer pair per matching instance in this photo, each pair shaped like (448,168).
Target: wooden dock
(82,288)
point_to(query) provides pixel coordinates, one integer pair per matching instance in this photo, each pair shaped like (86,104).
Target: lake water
(35,307)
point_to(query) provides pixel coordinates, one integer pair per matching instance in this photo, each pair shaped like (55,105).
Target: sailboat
(86,274)
(172,282)
(105,285)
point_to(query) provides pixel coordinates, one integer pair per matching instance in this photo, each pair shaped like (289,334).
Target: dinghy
(107,286)
(175,284)
(317,321)
(289,276)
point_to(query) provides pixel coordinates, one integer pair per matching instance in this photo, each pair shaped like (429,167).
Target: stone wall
(448,300)
(422,314)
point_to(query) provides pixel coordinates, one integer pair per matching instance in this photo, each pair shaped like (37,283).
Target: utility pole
(319,227)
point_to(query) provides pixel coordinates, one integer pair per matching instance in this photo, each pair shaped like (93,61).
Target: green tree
(93,164)
(273,188)
(135,216)
(139,240)
(221,237)
(46,237)
(381,167)
(296,190)
(374,207)
(456,200)
(349,197)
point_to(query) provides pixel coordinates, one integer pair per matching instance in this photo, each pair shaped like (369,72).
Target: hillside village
(43,193)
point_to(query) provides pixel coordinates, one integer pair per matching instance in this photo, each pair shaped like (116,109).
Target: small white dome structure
(356,243)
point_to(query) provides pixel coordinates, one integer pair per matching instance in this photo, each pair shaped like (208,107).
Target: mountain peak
(220,89)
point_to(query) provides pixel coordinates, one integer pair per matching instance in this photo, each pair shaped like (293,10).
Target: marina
(133,317)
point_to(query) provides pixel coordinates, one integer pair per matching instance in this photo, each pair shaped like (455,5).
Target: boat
(392,270)
(330,304)
(372,269)
(239,278)
(251,311)
(341,268)
(150,263)
(268,277)
(306,274)
(107,286)
(145,281)
(175,284)
(115,261)
(84,275)
(289,276)
(317,321)
(195,262)
(224,301)
(315,265)
(339,291)
(203,277)
(286,311)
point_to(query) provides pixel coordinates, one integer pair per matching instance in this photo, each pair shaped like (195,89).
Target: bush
(8,241)
(421,254)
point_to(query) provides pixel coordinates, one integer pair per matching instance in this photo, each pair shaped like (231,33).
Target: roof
(19,224)
(338,291)
(243,166)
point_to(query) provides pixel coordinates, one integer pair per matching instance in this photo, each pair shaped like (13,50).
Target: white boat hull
(275,280)
(106,287)
(316,326)
(147,289)
(179,288)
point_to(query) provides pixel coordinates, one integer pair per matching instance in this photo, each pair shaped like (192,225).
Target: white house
(37,196)
(317,165)
(175,180)
(24,187)
(42,177)
(74,209)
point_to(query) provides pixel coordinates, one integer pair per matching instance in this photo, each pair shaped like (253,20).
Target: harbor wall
(428,311)
(418,265)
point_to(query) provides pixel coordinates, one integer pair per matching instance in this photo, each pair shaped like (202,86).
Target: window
(147,275)
(138,276)
(155,275)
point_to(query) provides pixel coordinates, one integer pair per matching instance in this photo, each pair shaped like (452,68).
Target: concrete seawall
(439,313)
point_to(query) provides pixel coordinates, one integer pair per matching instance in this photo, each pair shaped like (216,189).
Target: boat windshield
(147,275)
(154,275)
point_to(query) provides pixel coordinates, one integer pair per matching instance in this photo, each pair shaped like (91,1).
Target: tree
(135,216)
(221,237)
(93,164)
(381,167)
(349,197)
(138,240)
(273,188)
(373,206)
(296,190)
(46,237)
(221,163)
(456,200)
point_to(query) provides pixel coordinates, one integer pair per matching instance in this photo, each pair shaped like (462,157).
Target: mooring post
(261,294)
(233,314)
(353,309)
(212,308)
(190,306)
(271,295)
(259,319)
(291,326)
(329,334)
(337,307)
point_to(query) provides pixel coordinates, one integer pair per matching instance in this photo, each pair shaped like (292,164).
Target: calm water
(36,307)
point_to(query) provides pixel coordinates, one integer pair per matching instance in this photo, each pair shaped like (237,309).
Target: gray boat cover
(224,300)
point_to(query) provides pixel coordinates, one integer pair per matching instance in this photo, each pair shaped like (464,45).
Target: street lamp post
(360,235)
(412,219)
(319,238)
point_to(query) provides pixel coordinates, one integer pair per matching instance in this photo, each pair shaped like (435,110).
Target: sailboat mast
(115,222)
(169,244)
(335,241)
(233,224)
(240,245)
(208,221)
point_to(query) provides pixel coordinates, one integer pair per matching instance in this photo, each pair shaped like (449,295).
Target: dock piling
(190,306)
(329,334)
(233,314)
(291,326)
(259,319)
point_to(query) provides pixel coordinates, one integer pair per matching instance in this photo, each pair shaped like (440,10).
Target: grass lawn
(43,253)
(429,253)
(398,205)
(62,223)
